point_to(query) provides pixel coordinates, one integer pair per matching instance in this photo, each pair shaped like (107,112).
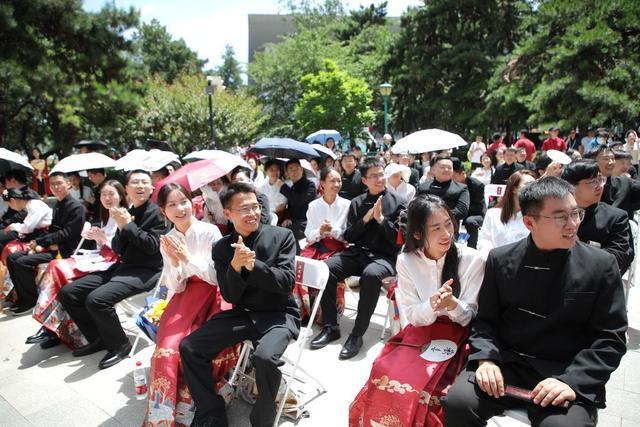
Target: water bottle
(140,381)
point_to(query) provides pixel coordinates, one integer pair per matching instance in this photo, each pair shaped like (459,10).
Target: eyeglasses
(597,182)
(562,220)
(376,175)
(248,210)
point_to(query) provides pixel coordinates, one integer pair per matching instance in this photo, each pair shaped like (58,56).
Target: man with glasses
(255,266)
(551,321)
(619,191)
(603,225)
(91,300)
(372,230)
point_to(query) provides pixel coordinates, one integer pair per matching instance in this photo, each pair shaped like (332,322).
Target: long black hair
(418,212)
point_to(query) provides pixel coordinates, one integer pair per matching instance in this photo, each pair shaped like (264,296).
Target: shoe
(22,309)
(8,304)
(351,347)
(114,357)
(51,341)
(209,419)
(328,334)
(92,347)
(42,335)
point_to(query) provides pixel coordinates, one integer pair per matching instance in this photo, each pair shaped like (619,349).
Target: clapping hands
(175,249)
(443,298)
(242,257)
(375,212)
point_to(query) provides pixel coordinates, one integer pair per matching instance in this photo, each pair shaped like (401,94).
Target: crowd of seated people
(533,299)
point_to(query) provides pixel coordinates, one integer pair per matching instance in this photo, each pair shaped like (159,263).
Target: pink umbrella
(192,176)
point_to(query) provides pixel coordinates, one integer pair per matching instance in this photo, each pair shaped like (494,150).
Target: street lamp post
(385,91)
(214,83)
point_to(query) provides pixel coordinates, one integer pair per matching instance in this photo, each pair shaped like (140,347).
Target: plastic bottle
(140,381)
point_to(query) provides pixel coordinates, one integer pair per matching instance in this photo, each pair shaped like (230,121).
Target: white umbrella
(424,141)
(322,150)
(81,162)
(227,160)
(11,160)
(151,160)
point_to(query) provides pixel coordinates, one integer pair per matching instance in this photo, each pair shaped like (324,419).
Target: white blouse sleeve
(312,230)
(200,263)
(416,311)
(337,230)
(172,277)
(39,215)
(487,231)
(472,268)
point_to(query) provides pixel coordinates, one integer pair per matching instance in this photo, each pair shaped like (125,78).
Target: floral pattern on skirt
(49,311)
(6,285)
(170,403)
(403,388)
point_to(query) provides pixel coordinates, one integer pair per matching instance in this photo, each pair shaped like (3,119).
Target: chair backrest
(311,272)
(493,190)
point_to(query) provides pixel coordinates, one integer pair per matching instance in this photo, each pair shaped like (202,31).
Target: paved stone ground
(52,388)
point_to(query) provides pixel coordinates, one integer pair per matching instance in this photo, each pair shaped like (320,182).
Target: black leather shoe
(51,341)
(209,419)
(42,335)
(114,357)
(92,347)
(351,347)
(328,334)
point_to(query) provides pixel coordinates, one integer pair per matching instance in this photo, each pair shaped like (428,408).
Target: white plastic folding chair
(493,190)
(133,310)
(313,274)
(510,418)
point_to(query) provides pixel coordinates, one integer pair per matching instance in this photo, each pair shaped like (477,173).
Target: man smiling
(551,319)
(90,300)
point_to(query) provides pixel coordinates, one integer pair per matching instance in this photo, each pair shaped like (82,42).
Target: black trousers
(472,224)
(201,347)
(22,268)
(297,227)
(371,271)
(90,301)
(467,405)
(6,237)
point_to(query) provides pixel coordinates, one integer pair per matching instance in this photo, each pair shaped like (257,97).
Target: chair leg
(387,321)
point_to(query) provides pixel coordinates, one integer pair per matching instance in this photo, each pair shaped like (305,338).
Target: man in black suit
(62,236)
(454,194)
(603,225)
(477,206)
(551,319)
(505,170)
(90,300)
(301,192)
(372,229)
(255,266)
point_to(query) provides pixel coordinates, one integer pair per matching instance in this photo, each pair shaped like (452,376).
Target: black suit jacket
(455,195)
(477,206)
(265,292)
(504,171)
(561,312)
(352,185)
(623,193)
(609,227)
(66,226)
(138,243)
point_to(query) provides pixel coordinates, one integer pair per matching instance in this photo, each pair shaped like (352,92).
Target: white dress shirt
(476,150)
(276,198)
(199,239)
(494,233)
(404,191)
(483,175)
(110,229)
(39,215)
(319,210)
(419,278)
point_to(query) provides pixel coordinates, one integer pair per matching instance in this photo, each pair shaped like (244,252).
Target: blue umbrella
(322,135)
(283,147)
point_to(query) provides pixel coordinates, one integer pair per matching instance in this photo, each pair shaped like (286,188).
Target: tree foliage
(160,54)
(444,57)
(64,72)
(230,69)
(178,113)
(332,99)
(579,66)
